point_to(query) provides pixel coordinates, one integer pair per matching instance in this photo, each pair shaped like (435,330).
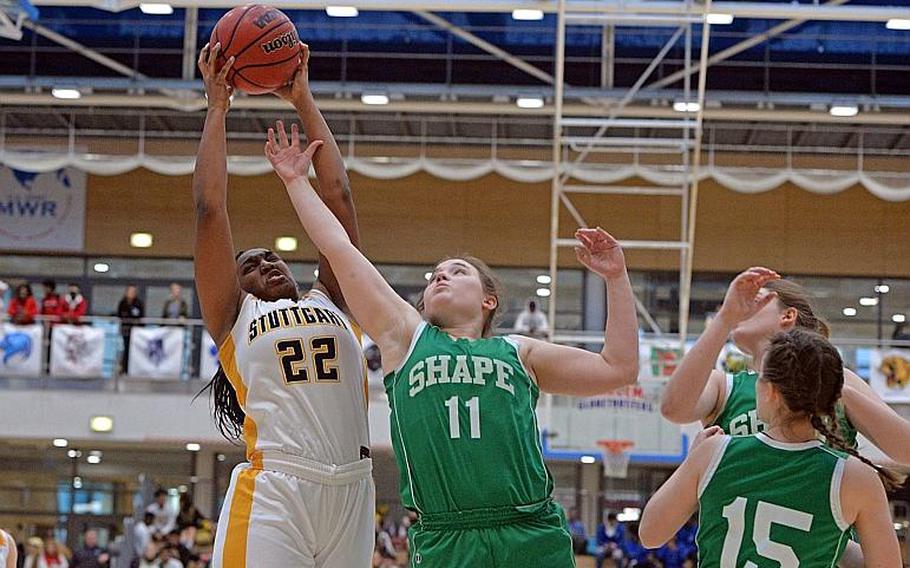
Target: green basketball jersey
(464,428)
(768,504)
(739,416)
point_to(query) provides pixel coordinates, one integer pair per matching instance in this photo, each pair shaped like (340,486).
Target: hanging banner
(889,374)
(77,351)
(156,352)
(42,211)
(658,358)
(208,357)
(20,349)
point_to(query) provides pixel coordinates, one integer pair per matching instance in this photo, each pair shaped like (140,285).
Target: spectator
(53,557)
(4,288)
(532,322)
(149,557)
(91,555)
(175,306)
(73,305)
(686,536)
(374,362)
(51,303)
(169,557)
(636,554)
(184,554)
(611,537)
(164,517)
(129,310)
(671,554)
(189,520)
(578,532)
(23,308)
(34,554)
(142,533)
(385,554)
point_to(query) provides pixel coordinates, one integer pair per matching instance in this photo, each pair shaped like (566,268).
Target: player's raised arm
(213,252)
(334,186)
(695,388)
(568,370)
(889,431)
(382,313)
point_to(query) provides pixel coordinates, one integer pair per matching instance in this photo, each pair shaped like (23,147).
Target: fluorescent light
(93,459)
(77,483)
(286,244)
(844,110)
(849,312)
(182,488)
(898,24)
(101,267)
(141,240)
(221,457)
(867,301)
(543,292)
(61,442)
(527,15)
(529,102)
(882,289)
(588,459)
(427,276)
(66,93)
(544,279)
(682,106)
(374,99)
(156,9)
(342,11)
(719,19)
(74,454)
(193,447)
(899,318)
(101,423)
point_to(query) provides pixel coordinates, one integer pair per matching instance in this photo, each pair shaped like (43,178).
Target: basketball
(264,43)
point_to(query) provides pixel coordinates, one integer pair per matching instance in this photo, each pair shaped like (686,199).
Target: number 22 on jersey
(302,363)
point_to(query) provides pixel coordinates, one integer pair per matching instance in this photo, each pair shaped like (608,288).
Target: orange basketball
(264,43)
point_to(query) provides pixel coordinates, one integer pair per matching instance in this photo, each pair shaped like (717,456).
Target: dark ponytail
(226,409)
(808,373)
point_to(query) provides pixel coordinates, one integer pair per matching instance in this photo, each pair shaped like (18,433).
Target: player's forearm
(621,333)
(210,175)
(328,162)
(877,421)
(318,221)
(687,383)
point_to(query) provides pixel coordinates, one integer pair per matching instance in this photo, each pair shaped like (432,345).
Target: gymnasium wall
(421,218)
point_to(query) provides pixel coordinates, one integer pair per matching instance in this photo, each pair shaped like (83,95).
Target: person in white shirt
(165,516)
(142,533)
(532,322)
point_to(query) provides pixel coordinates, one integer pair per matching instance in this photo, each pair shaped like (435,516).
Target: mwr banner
(77,351)
(43,211)
(156,352)
(889,374)
(208,357)
(20,349)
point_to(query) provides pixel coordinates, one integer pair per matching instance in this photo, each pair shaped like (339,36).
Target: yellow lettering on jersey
(290,317)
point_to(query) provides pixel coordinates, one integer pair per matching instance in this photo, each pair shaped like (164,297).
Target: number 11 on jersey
(473,405)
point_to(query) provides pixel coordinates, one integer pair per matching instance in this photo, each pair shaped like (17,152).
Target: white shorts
(296,513)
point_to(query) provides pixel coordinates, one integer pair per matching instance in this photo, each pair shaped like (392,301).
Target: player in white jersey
(292,380)
(8,552)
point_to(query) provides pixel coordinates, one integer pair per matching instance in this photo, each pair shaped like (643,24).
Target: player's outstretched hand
(708,432)
(217,90)
(744,297)
(600,252)
(286,156)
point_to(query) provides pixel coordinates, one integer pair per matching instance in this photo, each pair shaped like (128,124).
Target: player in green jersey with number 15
(463,422)
(781,498)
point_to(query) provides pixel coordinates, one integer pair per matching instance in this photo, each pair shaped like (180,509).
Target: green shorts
(533,537)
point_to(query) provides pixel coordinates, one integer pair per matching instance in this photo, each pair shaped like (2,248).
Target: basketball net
(615,454)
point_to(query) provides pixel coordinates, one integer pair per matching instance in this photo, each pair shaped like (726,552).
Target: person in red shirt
(23,308)
(73,305)
(52,303)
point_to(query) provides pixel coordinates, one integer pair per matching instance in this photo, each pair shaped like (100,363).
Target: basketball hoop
(615,455)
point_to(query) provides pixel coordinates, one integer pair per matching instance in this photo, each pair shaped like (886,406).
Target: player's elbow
(649,533)
(670,410)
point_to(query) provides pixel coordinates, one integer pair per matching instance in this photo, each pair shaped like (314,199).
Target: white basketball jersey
(299,373)
(4,548)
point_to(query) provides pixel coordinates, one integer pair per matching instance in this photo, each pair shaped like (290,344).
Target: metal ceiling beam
(760,10)
(190,32)
(486,46)
(725,54)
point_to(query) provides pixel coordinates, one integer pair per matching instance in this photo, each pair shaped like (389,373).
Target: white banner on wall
(889,374)
(156,352)
(42,211)
(77,351)
(20,349)
(208,357)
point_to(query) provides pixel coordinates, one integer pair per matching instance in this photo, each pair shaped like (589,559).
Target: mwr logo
(38,206)
(288,39)
(263,20)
